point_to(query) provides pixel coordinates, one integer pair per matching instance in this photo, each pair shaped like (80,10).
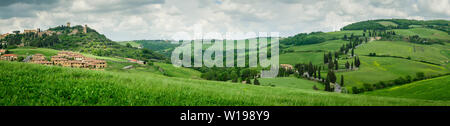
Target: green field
(375,69)
(387,23)
(424,33)
(430,89)
(32,84)
(31,51)
(290,82)
(132,43)
(431,53)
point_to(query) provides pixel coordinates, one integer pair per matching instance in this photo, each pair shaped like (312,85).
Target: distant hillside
(384,24)
(77,38)
(164,47)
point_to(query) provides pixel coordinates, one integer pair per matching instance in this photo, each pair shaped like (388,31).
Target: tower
(85,28)
(68,24)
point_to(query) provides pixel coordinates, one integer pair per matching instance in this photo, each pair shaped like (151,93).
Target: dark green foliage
(402,24)
(248,81)
(347,65)
(331,76)
(91,42)
(420,76)
(304,39)
(357,62)
(256,82)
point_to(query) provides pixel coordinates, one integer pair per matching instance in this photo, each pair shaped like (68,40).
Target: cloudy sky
(159,19)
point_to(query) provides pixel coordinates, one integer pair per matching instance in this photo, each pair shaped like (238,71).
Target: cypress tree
(336,64)
(327,85)
(353,51)
(342,80)
(347,65)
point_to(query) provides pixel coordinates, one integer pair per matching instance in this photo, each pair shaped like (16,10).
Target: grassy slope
(375,69)
(313,53)
(431,53)
(117,63)
(132,43)
(431,89)
(32,84)
(387,23)
(424,33)
(290,82)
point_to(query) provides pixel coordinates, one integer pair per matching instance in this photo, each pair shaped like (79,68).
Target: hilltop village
(63,58)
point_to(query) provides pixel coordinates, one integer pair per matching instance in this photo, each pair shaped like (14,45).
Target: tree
(357,62)
(234,77)
(336,64)
(248,81)
(330,65)
(256,82)
(420,76)
(352,66)
(355,90)
(347,65)
(327,85)
(342,80)
(319,72)
(325,58)
(353,51)
(129,45)
(331,76)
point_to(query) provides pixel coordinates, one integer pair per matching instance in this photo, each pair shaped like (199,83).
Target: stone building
(9,57)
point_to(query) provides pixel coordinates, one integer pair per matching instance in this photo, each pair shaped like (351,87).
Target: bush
(368,87)
(355,90)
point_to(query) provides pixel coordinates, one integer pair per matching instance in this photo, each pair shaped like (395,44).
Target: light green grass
(387,23)
(132,43)
(30,51)
(31,84)
(333,45)
(290,82)
(340,34)
(431,89)
(173,71)
(430,53)
(301,57)
(424,33)
(375,69)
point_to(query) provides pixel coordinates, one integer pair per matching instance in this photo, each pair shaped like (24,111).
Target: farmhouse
(287,66)
(39,59)
(2,51)
(9,57)
(76,60)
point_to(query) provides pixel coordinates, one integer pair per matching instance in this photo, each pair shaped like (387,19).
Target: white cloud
(158,19)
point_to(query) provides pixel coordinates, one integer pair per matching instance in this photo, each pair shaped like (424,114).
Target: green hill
(31,84)
(382,24)
(74,39)
(430,89)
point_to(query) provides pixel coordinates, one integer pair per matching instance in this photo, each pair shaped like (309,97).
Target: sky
(122,20)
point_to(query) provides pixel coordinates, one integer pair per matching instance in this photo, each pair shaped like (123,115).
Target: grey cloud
(154,19)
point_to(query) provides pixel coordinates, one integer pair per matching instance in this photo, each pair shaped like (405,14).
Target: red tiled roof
(9,55)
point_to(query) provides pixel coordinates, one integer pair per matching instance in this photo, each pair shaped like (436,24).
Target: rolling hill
(160,83)
(31,84)
(430,89)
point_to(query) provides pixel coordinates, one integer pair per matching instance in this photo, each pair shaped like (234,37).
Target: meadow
(375,69)
(432,53)
(31,84)
(430,89)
